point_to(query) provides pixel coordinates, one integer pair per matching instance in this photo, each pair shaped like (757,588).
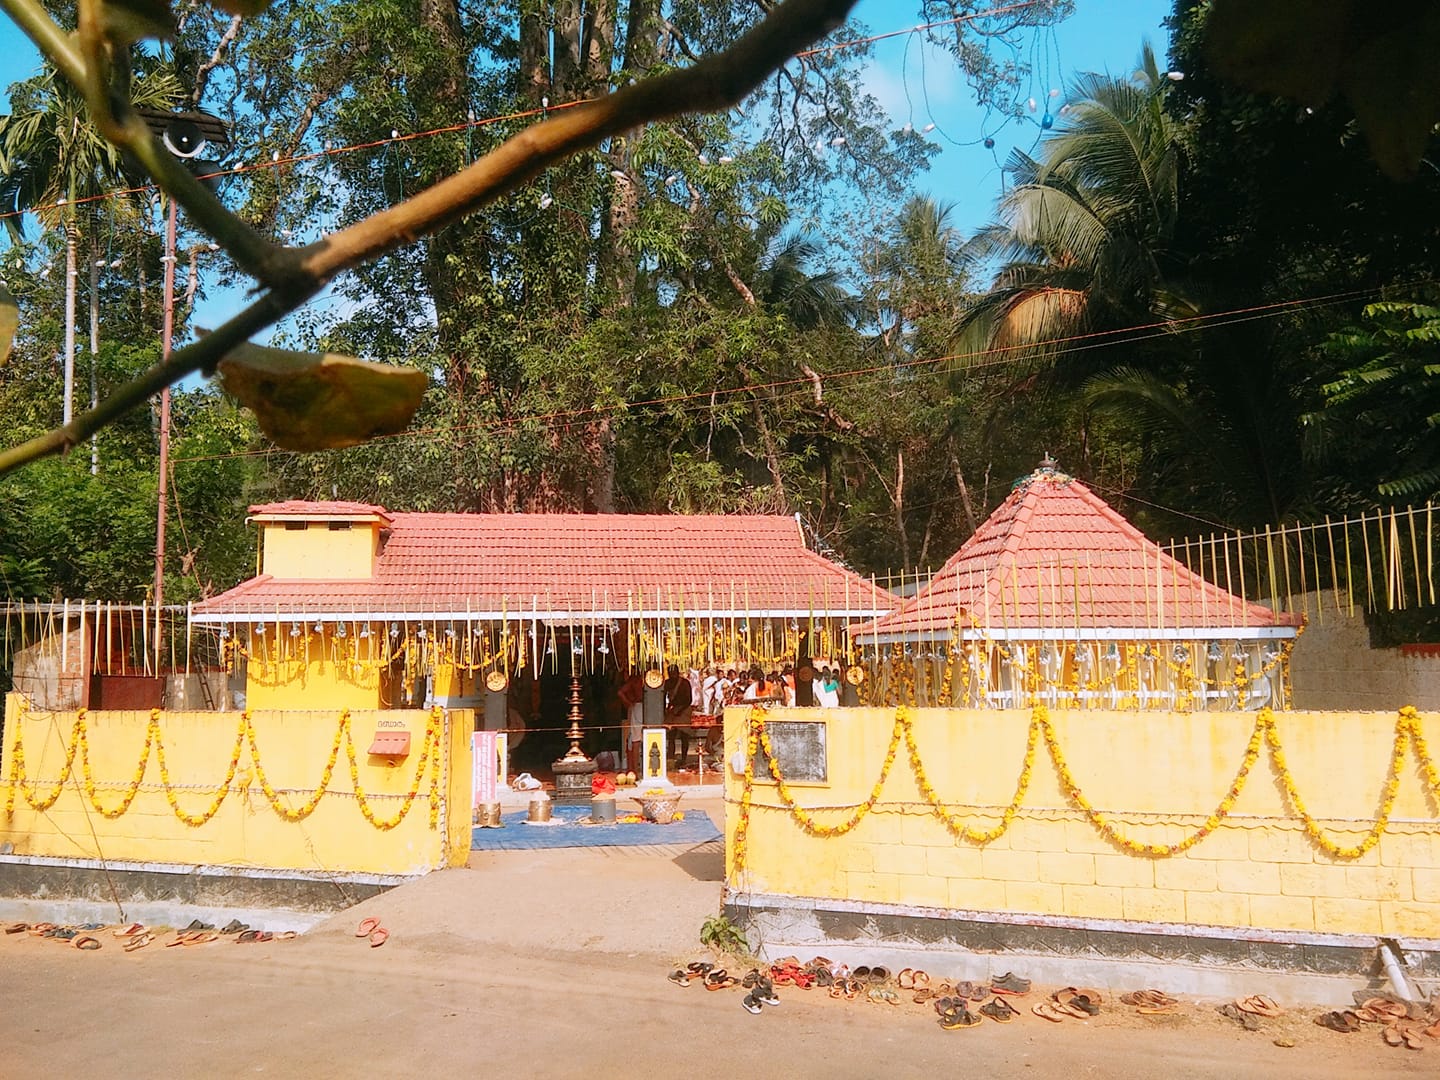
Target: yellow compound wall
(1153,778)
(245,829)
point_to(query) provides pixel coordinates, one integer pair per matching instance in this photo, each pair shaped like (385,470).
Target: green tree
(53,157)
(1380,423)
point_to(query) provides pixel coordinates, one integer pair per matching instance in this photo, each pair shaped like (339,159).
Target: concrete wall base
(1200,961)
(35,888)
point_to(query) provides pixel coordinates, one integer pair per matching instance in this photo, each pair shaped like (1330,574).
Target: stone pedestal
(572,781)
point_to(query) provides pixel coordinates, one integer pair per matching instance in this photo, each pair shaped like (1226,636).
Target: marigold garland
(79,744)
(1387,804)
(1265,735)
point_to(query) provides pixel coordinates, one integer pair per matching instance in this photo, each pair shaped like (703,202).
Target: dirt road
(553,964)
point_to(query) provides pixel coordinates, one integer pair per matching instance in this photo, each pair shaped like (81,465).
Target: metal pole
(167,327)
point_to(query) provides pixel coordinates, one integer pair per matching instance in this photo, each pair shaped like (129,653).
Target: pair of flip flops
(1406,1035)
(192,937)
(371,928)
(846,988)
(1071,1003)
(1259,1005)
(1378,1010)
(1150,1002)
(912,979)
(136,942)
(248,936)
(872,975)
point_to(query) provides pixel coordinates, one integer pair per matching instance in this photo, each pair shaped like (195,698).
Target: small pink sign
(482,744)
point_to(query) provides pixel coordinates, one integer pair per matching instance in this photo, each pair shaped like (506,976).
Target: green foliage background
(755,312)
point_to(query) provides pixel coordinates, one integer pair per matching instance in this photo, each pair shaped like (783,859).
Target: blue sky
(1102,35)
(915,83)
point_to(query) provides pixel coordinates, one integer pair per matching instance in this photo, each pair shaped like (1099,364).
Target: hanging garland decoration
(82,736)
(431,748)
(1263,722)
(896,680)
(747,793)
(16,779)
(952,822)
(1422,753)
(79,743)
(299,813)
(1265,735)
(195,820)
(802,816)
(1403,727)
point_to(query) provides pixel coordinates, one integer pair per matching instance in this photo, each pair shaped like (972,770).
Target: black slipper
(235,926)
(751,1004)
(998,1010)
(679,978)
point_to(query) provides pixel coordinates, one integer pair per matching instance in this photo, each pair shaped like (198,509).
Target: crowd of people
(704,694)
(719,687)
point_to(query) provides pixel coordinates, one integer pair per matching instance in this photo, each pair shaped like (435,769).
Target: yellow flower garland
(1387,804)
(79,743)
(1265,735)
(950,821)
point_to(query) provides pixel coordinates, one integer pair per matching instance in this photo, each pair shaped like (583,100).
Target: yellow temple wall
(204,803)
(313,670)
(1152,779)
(318,551)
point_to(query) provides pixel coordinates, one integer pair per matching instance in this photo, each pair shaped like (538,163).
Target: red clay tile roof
(318,510)
(1055,556)
(578,563)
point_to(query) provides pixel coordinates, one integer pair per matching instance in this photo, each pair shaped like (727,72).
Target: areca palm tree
(51,157)
(1085,229)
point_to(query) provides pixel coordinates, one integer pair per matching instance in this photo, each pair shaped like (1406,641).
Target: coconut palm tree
(808,298)
(1085,229)
(52,156)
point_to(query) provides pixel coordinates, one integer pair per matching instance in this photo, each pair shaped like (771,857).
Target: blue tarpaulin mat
(697,828)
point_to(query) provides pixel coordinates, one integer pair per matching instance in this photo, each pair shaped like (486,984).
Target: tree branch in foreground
(717,82)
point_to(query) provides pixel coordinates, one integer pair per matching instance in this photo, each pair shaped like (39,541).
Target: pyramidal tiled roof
(575,563)
(1055,556)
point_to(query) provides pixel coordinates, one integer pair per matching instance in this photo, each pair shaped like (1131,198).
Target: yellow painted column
(459,723)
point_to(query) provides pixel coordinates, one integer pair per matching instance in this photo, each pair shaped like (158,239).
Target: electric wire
(803,385)
(479,122)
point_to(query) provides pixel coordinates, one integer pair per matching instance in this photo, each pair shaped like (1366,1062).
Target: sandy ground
(553,964)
